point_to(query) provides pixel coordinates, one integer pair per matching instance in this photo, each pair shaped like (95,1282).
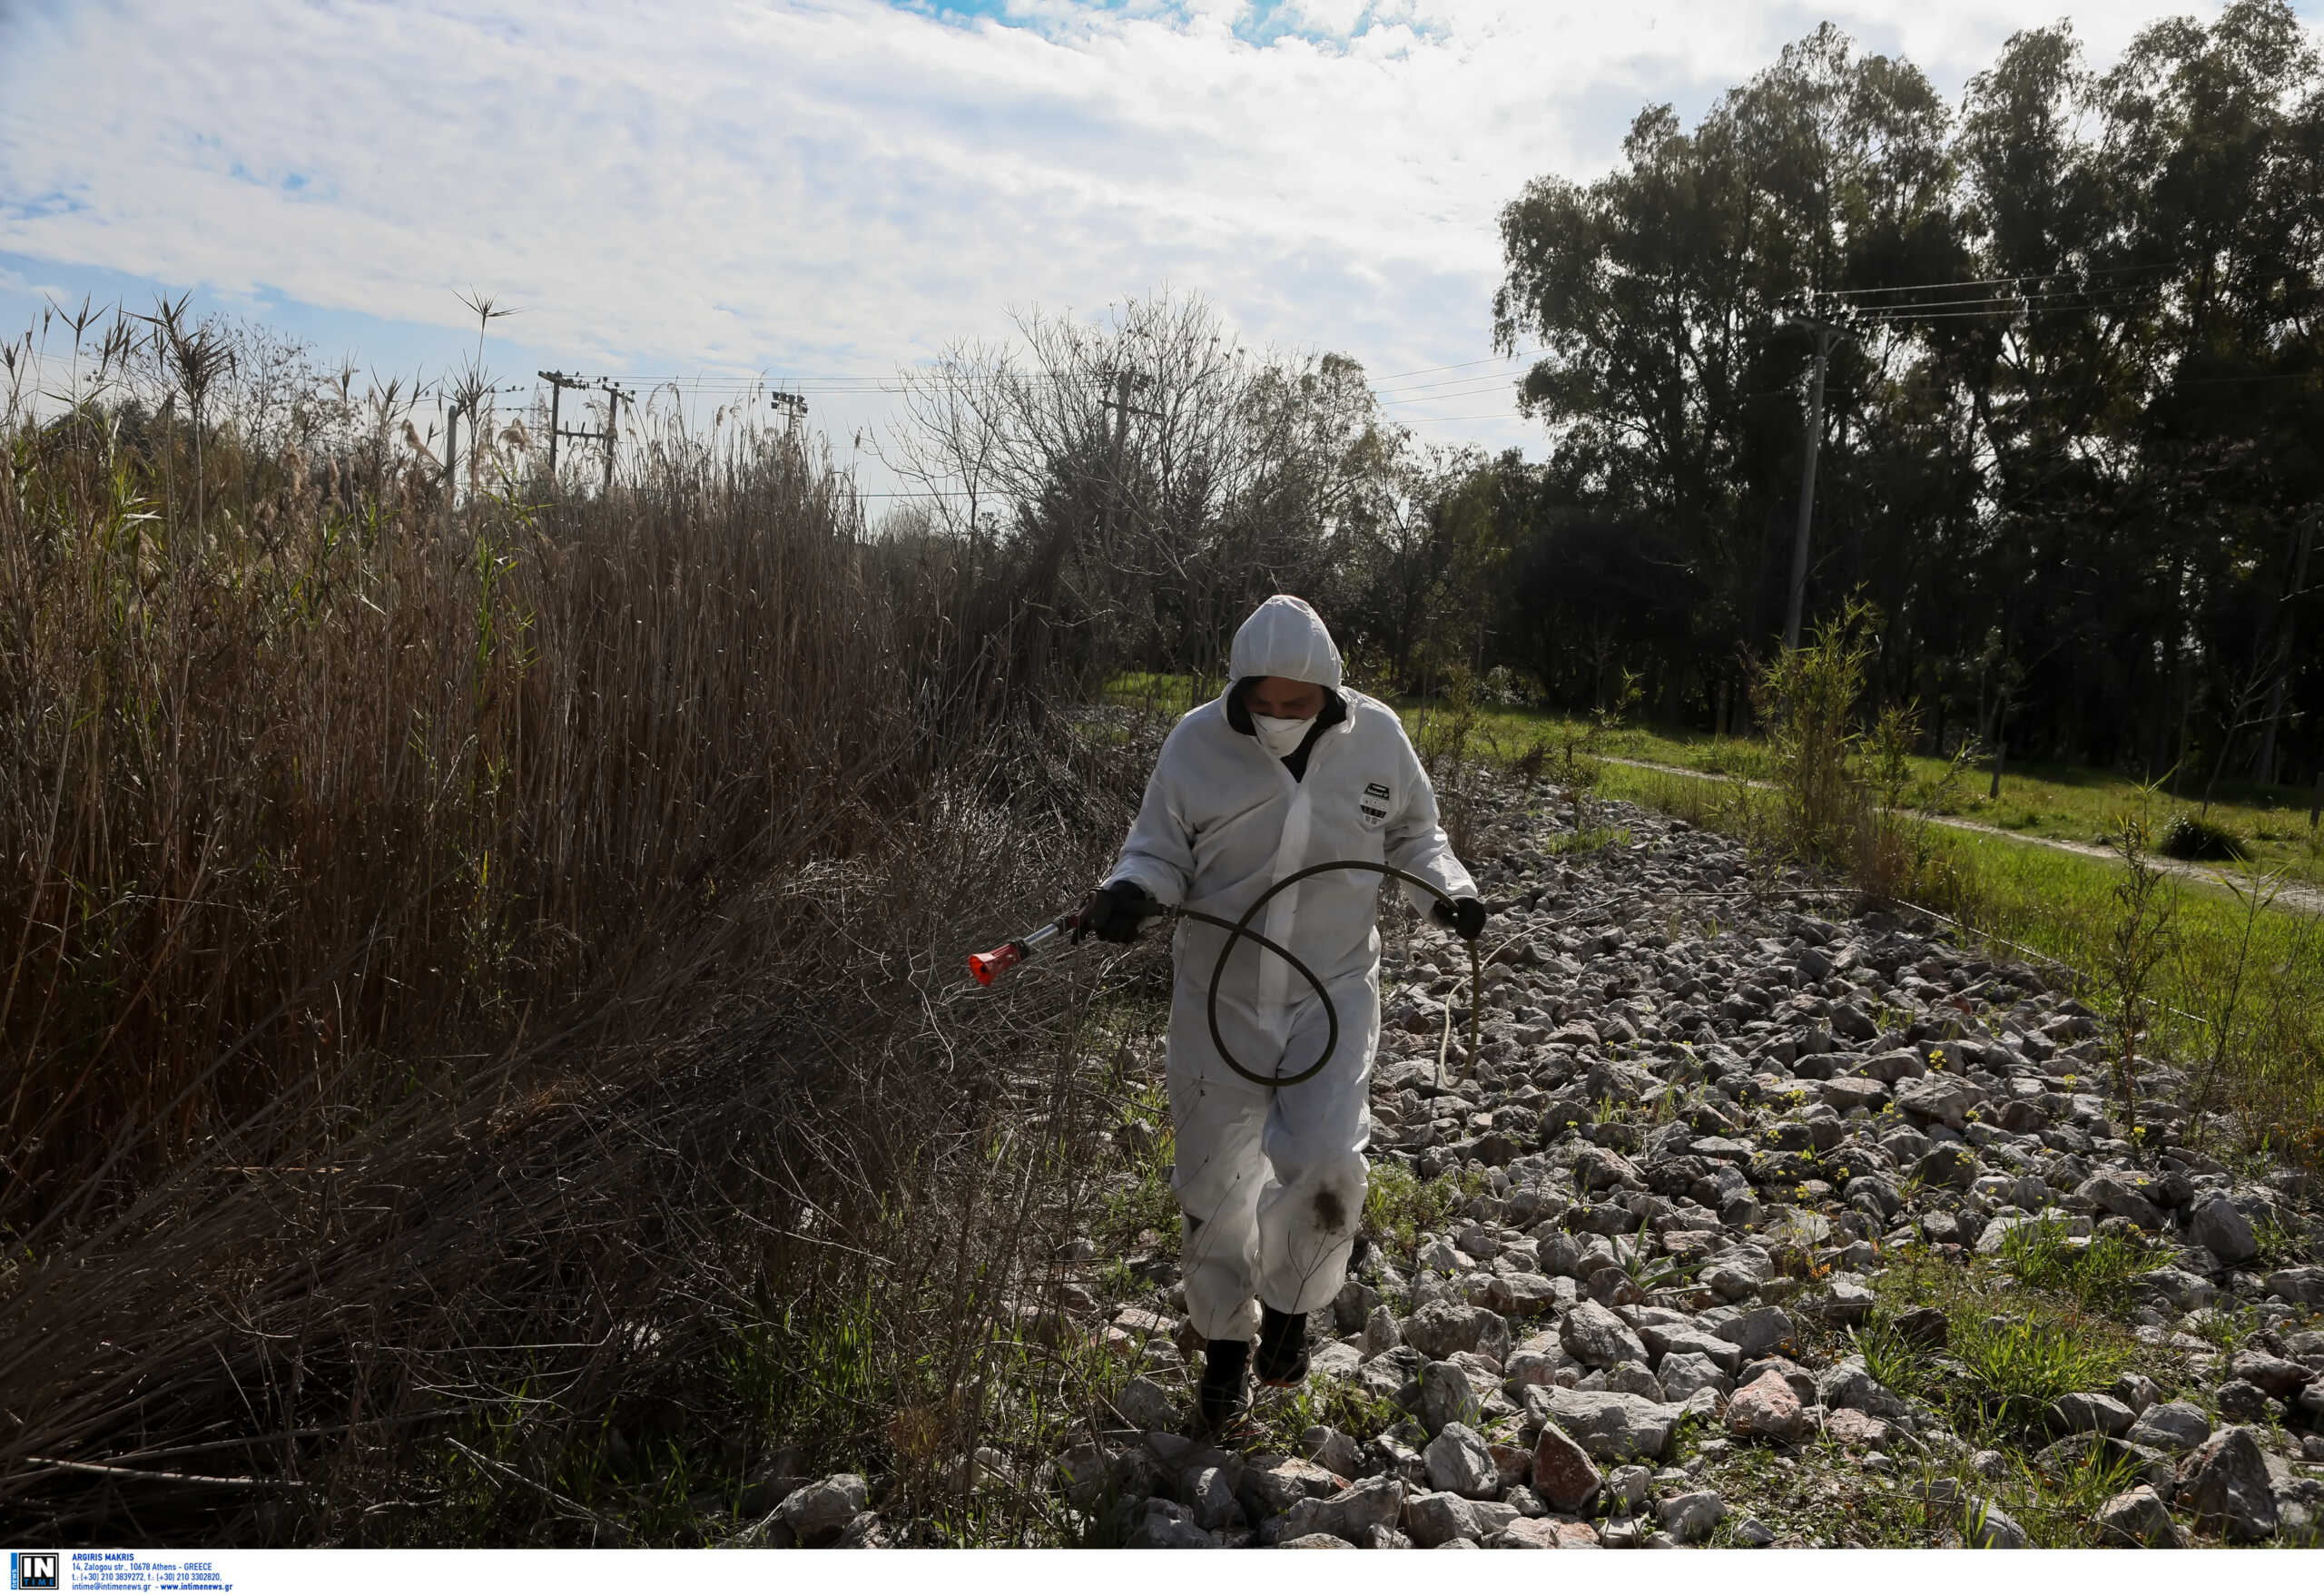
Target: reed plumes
(445,941)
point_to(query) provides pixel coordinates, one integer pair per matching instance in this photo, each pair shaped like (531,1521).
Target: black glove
(1464,917)
(1114,912)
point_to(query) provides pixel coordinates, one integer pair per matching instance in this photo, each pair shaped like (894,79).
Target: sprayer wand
(987,966)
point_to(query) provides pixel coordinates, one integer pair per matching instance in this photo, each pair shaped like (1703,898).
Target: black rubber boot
(1223,1394)
(1283,1346)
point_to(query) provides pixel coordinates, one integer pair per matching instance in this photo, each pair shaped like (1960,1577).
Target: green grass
(1348,1408)
(1596,840)
(2014,1346)
(2095,1274)
(1398,1206)
(1816,1495)
(2060,905)
(2060,802)
(2016,1367)
(1887,1356)
(1145,1200)
(2059,1507)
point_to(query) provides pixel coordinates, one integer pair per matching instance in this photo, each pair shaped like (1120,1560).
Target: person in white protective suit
(1287,770)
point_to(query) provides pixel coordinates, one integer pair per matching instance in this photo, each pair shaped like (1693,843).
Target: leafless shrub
(1156,476)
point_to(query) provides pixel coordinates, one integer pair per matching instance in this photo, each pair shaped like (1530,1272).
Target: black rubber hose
(1240,930)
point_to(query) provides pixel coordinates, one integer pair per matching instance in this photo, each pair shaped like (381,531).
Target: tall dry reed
(283,783)
(495,960)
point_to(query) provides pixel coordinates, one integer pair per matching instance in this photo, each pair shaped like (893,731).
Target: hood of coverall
(1285,637)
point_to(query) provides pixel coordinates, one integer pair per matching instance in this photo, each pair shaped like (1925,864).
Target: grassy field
(2059,802)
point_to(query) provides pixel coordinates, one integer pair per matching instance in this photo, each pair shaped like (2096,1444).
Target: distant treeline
(2072,432)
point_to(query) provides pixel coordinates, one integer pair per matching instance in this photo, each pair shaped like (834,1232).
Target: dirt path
(2289,894)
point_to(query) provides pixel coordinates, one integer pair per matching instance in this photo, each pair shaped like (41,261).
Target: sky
(821,192)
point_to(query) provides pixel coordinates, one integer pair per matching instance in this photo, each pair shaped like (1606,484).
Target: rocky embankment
(1754,1222)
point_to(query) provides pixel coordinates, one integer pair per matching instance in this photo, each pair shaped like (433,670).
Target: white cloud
(1336,17)
(839,184)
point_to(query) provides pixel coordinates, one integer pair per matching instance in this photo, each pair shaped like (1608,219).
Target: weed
(1398,1207)
(2228,1326)
(2059,1506)
(1447,733)
(2280,1245)
(2096,1273)
(1348,1408)
(2012,1350)
(1579,843)
(1578,762)
(1887,1356)
(2136,943)
(2017,1368)
(565,868)
(1145,1200)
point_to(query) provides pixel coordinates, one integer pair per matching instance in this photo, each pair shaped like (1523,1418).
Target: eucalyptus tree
(2070,439)
(1665,297)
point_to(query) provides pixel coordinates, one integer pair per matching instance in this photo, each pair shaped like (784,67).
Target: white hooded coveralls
(1272,1180)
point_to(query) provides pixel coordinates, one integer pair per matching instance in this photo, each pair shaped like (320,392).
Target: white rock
(1459,1460)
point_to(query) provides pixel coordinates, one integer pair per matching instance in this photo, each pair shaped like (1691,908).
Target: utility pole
(451,462)
(558,381)
(614,396)
(1827,335)
(555,380)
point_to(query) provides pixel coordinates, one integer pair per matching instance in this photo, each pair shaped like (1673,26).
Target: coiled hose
(1240,930)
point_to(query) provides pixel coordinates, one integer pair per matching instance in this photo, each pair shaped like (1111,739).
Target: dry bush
(487,1001)
(594,1267)
(1845,796)
(1807,699)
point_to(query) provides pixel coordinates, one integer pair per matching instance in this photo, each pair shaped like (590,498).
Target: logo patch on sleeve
(1375,805)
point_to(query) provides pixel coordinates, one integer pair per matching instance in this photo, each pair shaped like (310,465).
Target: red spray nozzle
(987,966)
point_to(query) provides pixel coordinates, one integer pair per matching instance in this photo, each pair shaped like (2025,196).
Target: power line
(1456,366)
(1447,397)
(2122,290)
(1456,384)
(2007,311)
(1989,281)
(738,387)
(863,382)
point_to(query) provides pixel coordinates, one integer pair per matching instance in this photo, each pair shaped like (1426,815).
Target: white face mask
(1281,738)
